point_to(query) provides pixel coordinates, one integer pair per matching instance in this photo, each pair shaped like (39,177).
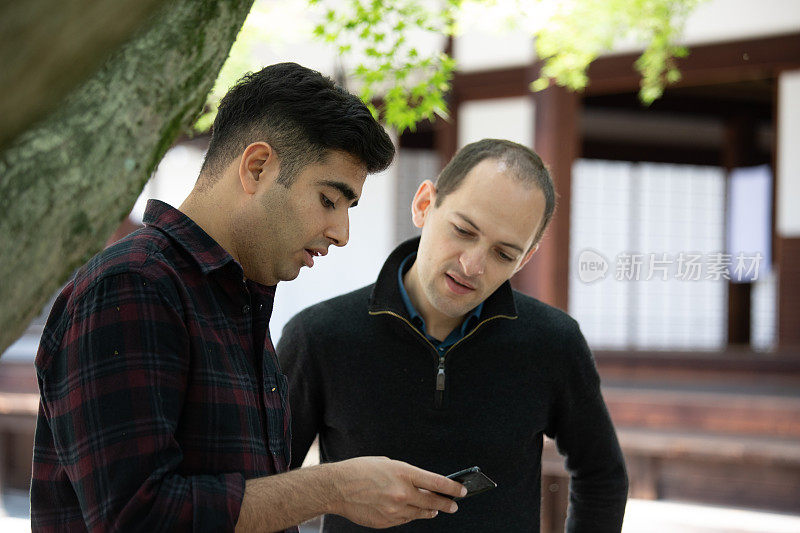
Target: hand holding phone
(474,480)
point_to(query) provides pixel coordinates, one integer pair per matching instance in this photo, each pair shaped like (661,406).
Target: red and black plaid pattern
(160,389)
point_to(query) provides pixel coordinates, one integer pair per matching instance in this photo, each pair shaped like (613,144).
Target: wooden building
(702,380)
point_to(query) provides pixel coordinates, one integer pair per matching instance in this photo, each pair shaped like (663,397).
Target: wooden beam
(733,366)
(705,65)
(675,100)
(752,59)
(701,409)
(497,83)
(650,152)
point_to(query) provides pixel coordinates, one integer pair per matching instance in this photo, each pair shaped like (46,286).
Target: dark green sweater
(369,383)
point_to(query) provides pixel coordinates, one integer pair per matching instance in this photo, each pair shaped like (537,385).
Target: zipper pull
(440,375)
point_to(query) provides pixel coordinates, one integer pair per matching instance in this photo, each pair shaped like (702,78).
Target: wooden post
(788,267)
(556,140)
(555,498)
(739,151)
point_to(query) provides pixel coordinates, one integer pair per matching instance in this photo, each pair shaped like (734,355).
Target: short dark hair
(302,115)
(526,165)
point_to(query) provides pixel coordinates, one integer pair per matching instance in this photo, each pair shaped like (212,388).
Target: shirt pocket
(276,405)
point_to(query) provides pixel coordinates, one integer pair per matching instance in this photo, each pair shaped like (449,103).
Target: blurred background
(676,245)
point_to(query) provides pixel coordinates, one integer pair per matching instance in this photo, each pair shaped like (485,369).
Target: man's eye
(460,231)
(505,257)
(326,202)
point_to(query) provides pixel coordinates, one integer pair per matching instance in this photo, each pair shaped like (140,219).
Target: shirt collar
(184,231)
(416,318)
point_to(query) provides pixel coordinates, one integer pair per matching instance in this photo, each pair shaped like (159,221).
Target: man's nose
(339,231)
(473,262)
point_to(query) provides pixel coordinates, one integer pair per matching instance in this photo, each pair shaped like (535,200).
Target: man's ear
(527,257)
(258,166)
(423,201)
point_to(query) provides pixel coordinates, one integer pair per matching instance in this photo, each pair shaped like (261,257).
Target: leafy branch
(401,84)
(580,30)
(396,47)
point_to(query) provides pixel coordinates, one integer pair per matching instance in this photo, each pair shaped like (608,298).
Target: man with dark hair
(162,403)
(301,116)
(441,364)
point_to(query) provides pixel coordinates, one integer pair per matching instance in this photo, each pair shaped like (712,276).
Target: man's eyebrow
(343,188)
(471,223)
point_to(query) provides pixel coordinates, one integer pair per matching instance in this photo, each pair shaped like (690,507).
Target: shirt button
(260,307)
(245,309)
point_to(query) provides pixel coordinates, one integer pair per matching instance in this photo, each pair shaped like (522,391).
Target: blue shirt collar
(416,319)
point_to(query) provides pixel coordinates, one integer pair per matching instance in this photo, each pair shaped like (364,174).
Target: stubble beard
(444,303)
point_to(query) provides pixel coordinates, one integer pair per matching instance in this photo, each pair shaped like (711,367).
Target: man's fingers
(436,483)
(429,500)
(408,513)
(422,513)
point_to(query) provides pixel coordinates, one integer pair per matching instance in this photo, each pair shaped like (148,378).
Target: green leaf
(413,83)
(540,84)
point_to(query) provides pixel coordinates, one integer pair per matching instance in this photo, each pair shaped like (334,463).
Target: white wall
(173,179)
(788,192)
(345,269)
(488,43)
(413,167)
(726,20)
(500,118)
(485,50)
(286,34)
(732,20)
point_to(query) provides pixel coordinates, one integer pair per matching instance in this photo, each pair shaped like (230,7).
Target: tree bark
(68,182)
(51,46)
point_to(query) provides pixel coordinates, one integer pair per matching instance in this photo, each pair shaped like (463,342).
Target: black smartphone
(474,480)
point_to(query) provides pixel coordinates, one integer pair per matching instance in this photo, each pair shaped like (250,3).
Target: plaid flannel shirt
(160,390)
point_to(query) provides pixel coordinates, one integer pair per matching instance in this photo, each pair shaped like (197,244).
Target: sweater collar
(386,292)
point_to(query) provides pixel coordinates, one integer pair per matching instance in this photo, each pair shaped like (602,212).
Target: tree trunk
(48,47)
(67,183)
